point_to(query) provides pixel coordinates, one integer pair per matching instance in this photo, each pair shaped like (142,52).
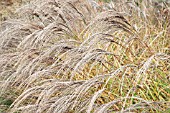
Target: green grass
(4,104)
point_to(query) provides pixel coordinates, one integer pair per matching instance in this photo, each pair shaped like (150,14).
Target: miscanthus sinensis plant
(77,56)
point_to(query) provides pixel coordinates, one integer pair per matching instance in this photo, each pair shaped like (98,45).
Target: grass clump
(77,56)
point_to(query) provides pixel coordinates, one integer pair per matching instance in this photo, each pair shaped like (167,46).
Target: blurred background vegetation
(7,7)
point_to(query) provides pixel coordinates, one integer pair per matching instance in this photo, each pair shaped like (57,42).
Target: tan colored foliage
(77,56)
